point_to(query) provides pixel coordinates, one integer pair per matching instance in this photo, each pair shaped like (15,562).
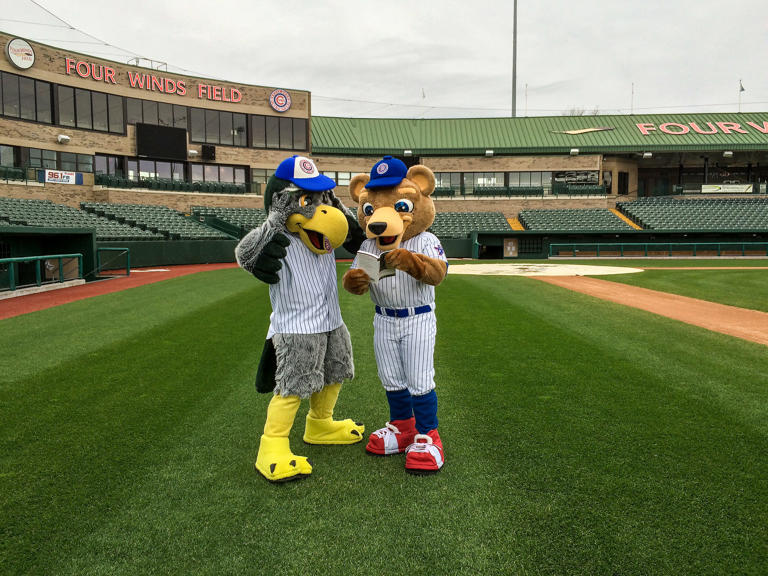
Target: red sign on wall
(678,129)
(150,82)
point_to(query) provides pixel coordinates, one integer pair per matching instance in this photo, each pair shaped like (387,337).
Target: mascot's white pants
(405,350)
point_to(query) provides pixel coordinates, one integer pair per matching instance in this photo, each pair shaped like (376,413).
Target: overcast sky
(437,58)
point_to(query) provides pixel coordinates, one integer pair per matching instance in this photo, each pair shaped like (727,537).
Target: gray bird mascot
(308,351)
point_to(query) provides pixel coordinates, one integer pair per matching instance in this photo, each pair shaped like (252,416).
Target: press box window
(11,95)
(278,132)
(25,98)
(76,162)
(103,164)
(42,158)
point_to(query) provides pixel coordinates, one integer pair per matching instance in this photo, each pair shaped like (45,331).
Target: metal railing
(100,264)
(13,263)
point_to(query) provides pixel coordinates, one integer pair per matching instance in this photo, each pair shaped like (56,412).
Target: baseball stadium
(600,351)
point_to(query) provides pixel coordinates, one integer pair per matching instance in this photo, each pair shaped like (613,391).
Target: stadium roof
(541,135)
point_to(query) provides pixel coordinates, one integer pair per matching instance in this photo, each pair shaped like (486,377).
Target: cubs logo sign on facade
(280,100)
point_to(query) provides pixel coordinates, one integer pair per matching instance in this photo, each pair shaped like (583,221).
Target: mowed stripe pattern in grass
(581,437)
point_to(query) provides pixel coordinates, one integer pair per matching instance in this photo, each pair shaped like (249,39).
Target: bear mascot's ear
(357,184)
(423,178)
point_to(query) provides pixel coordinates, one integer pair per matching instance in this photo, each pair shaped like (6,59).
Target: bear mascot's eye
(404,206)
(367,209)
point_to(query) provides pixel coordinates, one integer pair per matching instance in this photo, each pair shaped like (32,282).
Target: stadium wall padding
(176,252)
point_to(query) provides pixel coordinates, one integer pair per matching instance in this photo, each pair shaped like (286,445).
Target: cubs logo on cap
(387,172)
(304,174)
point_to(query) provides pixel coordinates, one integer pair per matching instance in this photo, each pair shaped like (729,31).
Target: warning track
(33,302)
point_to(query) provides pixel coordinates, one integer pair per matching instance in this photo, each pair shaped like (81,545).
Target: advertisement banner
(726,189)
(61,177)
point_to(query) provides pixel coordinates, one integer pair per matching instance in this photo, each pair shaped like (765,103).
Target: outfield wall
(535,245)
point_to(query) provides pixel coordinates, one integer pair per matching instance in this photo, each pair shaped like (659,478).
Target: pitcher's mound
(539,270)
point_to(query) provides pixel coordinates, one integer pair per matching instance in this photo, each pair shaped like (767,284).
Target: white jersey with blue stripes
(306,299)
(403,290)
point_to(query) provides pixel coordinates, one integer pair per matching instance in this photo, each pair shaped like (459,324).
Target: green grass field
(581,437)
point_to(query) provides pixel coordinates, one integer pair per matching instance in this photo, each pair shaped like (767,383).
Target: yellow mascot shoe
(277,463)
(330,431)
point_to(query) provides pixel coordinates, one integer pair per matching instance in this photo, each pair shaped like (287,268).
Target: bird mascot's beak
(324,232)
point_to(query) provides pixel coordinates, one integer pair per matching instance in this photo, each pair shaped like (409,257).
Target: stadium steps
(515,224)
(626,219)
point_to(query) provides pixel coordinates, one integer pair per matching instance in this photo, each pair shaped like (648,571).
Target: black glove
(268,263)
(355,236)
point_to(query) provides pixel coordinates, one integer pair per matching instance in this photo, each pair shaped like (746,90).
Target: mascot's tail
(265,375)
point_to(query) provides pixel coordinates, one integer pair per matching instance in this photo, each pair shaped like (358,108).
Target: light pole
(514,61)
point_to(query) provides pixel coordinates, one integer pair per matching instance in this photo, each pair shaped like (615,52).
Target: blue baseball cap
(387,172)
(304,174)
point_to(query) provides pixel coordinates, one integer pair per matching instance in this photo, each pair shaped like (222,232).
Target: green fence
(650,249)
(9,267)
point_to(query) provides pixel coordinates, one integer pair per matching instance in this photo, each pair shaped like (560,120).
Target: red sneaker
(394,438)
(425,455)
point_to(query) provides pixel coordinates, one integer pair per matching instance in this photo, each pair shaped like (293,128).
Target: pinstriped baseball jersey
(405,347)
(296,306)
(403,290)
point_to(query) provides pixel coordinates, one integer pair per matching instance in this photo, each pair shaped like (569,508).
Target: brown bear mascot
(395,210)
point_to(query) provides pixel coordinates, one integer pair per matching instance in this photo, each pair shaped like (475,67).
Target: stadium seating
(44,213)
(572,220)
(244,218)
(683,214)
(11,173)
(112,181)
(564,189)
(159,219)
(462,224)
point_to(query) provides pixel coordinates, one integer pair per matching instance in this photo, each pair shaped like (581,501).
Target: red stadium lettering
(696,128)
(763,128)
(170,86)
(136,80)
(666,128)
(646,128)
(728,127)
(82,69)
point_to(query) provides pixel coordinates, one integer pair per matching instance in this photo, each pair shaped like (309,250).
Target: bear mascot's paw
(356,281)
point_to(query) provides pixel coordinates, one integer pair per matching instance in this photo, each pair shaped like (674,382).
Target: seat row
(111,181)
(588,220)
(160,219)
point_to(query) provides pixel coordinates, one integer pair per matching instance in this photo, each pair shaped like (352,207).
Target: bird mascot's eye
(305,200)
(404,206)
(367,209)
